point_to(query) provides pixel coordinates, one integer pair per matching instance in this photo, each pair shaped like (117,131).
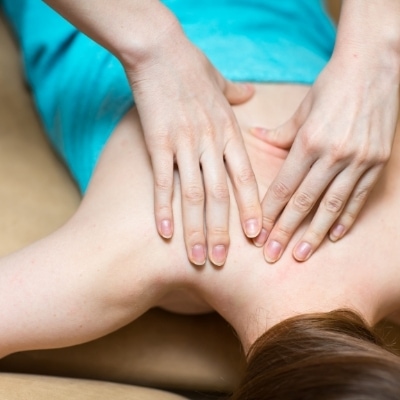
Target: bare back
(107,265)
(367,256)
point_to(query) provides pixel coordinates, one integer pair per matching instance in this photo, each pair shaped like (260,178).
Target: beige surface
(25,387)
(36,193)
(159,350)
(334,8)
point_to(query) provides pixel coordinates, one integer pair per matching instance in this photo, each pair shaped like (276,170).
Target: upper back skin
(364,261)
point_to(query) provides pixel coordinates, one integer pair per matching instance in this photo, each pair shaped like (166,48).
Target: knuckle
(365,157)
(303,202)
(219,192)
(218,231)
(338,154)
(383,156)
(315,237)
(280,191)
(362,159)
(194,235)
(307,140)
(188,135)
(162,210)
(250,210)
(348,217)
(267,222)
(361,194)
(284,231)
(378,155)
(162,183)
(246,177)
(160,139)
(194,194)
(334,204)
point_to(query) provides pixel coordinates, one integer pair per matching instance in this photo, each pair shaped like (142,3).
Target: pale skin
(106,266)
(194,127)
(341,135)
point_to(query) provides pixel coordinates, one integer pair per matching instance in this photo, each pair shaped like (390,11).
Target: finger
(245,187)
(281,137)
(237,93)
(163,169)
(281,190)
(330,208)
(299,206)
(355,203)
(192,206)
(217,208)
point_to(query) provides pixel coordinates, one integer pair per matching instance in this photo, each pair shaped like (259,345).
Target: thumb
(237,93)
(282,136)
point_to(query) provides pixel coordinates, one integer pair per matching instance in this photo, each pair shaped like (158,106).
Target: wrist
(368,63)
(138,48)
(131,29)
(364,42)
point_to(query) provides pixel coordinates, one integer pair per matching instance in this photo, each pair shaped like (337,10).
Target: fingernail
(247,87)
(219,254)
(273,251)
(261,238)
(166,228)
(302,251)
(258,131)
(337,232)
(252,228)
(198,254)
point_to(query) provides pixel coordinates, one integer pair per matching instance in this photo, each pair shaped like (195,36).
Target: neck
(266,308)
(359,272)
(269,294)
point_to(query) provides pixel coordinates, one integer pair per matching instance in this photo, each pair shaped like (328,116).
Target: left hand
(340,138)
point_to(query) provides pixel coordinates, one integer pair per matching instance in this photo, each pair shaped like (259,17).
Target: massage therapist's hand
(340,139)
(341,135)
(184,106)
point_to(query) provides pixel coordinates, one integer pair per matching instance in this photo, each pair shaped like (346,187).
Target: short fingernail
(273,251)
(303,251)
(337,232)
(252,227)
(219,254)
(246,87)
(198,254)
(261,238)
(258,131)
(166,228)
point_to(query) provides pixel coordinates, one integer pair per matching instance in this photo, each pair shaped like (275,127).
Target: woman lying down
(307,328)
(106,266)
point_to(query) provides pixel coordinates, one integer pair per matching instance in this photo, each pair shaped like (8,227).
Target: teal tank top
(81,91)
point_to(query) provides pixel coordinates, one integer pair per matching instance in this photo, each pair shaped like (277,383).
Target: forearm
(369,35)
(130,29)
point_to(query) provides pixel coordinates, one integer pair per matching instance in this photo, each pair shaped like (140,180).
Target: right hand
(185,109)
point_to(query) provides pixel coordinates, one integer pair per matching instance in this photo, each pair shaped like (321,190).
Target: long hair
(327,356)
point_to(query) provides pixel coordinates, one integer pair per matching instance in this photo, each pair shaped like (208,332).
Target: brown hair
(327,356)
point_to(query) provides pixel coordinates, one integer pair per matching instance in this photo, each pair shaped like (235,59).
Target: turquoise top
(81,91)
